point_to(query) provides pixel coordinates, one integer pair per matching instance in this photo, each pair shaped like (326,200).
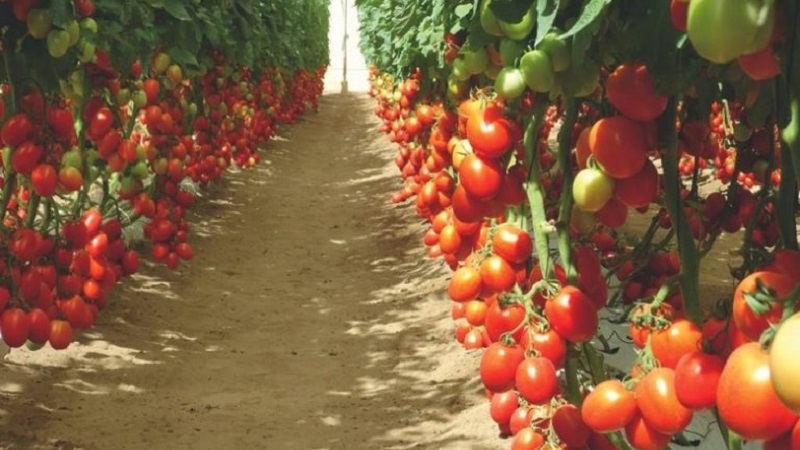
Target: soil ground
(309,319)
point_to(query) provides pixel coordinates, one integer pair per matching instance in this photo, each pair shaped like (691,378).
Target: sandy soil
(308,320)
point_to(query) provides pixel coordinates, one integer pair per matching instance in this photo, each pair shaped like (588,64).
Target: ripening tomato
(481,178)
(745,386)
(465,284)
(609,407)
(783,363)
(60,334)
(503,406)
(591,189)
(572,315)
(527,439)
(642,436)
(498,367)
(696,379)
(682,337)
(619,145)
(658,403)
(748,321)
(497,275)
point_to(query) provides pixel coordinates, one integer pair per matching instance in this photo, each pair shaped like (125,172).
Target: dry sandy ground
(308,320)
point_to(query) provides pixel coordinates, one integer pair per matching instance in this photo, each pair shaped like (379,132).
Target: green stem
(690,261)
(573,383)
(790,134)
(33,208)
(9,182)
(534,188)
(12,91)
(596,365)
(618,441)
(565,208)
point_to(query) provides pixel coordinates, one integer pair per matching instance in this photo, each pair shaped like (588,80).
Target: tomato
(519,30)
(572,315)
(788,441)
(58,43)
(785,261)
(489,132)
(720,31)
(14,326)
(475,61)
(631,90)
(510,83)
(641,189)
(680,338)
(536,380)
(44,180)
(512,243)
(473,340)
(619,146)
(609,407)
(16,130)
(745,386)
(467,208)
(569,426)
(503,406)
(488,20)
(761,65)
(613,214)
(642,436)
(60,334)
(39,22)
(696,380)
(592,189)
(475,312)
(658,403)
(498,366)
(679,9)
(783,363)
(558,50)
(504,319)
(465,284)
(39,326)
(481,178)
(26,157)
(527,439)
(497,275)
(537,70)
(747,321)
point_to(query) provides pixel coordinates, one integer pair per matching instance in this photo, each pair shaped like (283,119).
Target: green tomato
(87,51)
(537,70)
(57,43)
(492,71)
(456,87)
(476,61)
(721,30)
(488,20)
(139,99)
(89,24)
(123,97)
(581,81)
(592,189)
(140,170)
(74,31)
(522,29)
(582,221)
(558,50)
(460,71)
(39,22)
(510,83)
(510,50)
(72,159)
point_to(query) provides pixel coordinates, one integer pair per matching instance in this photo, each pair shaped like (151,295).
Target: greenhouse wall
(357,73)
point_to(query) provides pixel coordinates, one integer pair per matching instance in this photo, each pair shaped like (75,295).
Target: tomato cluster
(524,152)
(114,156)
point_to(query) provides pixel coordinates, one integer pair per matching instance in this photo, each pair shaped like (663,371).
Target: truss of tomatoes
(458,166)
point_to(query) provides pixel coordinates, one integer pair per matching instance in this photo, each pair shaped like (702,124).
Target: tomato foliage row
(583,161)
(113,116)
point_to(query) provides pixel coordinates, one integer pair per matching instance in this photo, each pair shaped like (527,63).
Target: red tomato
(745,386)
(680,338)
(631,90)
(548,344)
(499,366)
(619,145)
(481,178)
(521,418)
(747,321)
(641,189)
(527,439)
(500,320)
(609,407)
(16,130)
(512,243)
(503,406)
(696,379)
(572,315)
(39,326)
(60,334)
(642,436)
(465,285)
(14,326)
(489,132)
(536,380)
(569,426)
(497,275)
(658,403)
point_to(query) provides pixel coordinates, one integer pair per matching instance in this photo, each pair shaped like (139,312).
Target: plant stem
(565,208)
(690,261)
(573,383)
(534,185)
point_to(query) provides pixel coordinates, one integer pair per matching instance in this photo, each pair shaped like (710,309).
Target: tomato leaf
(591,12)
(62,11)
(176,10)
(511,11)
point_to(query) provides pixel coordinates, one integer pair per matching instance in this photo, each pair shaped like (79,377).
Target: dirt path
(308,320)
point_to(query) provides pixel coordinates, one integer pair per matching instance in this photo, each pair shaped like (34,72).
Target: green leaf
(591,12)
(63,12)
(510,11)
(546,11)
(463,11)
(176,9)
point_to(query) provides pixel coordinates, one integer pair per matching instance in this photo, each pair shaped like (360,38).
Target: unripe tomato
(721,30)
(592,189)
